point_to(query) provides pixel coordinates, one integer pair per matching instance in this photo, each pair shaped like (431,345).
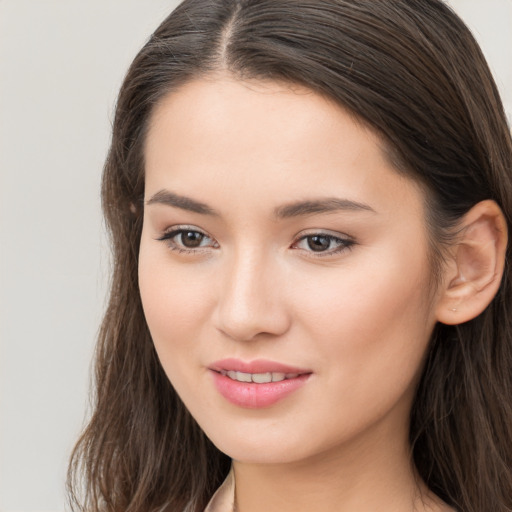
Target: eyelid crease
(344,237)
(183,227)
(323,231)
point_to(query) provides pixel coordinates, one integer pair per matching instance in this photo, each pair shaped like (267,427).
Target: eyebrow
(323,205)
(295,209)
(183,202)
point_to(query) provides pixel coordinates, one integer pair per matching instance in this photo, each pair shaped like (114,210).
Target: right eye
(187,239)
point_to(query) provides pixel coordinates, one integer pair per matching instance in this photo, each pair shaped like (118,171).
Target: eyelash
(344,244)
(168,237)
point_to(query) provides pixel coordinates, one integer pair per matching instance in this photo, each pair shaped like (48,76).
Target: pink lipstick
(256,384)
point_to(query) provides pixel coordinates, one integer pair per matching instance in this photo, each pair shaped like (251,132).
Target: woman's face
(280,245)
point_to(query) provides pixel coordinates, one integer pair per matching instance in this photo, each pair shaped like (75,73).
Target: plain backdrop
(61,63)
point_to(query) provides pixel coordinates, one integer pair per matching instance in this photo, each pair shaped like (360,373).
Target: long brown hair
(411,70)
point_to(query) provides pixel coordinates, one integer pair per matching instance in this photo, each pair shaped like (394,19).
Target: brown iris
(191,239)
(319,243)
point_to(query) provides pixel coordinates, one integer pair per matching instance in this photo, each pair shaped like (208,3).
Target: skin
(358,318)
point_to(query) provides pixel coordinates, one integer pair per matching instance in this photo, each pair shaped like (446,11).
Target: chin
(255,448)
(261,454)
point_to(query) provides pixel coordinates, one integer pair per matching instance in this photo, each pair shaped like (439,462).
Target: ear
(474,270)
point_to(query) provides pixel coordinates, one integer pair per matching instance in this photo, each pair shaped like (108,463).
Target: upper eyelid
(343,239)
(298,236)
(323,232)
(169,233)
(185,227)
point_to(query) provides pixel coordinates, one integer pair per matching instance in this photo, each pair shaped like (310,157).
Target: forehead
(220,105)
(267,140)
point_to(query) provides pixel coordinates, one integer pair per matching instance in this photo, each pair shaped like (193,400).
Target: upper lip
(255,366)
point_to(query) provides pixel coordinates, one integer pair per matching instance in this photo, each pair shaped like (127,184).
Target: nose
(251,299)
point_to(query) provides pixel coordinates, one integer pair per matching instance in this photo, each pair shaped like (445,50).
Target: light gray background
(61,63)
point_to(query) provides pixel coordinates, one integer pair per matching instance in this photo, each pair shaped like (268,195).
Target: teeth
(259,378)
(243,377)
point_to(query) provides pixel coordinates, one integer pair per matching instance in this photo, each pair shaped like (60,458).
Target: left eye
(187,239)
(323,243)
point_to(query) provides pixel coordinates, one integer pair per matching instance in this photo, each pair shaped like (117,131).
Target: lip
(251,395)
(255,366)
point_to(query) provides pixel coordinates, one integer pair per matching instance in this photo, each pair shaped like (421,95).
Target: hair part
(411,71)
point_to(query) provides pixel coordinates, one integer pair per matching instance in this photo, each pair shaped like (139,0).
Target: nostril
(249,304)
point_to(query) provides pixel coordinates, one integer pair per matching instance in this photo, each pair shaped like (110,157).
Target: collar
(224,498)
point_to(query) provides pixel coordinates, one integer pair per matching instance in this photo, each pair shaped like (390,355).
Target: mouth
(258,378)
(256,384)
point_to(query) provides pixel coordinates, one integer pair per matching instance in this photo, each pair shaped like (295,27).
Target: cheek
(174,300)
(371,328)
(373,293)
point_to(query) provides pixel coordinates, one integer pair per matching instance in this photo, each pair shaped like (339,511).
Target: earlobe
(475,269)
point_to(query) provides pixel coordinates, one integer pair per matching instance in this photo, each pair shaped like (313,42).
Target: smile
(257,384)
(258,378)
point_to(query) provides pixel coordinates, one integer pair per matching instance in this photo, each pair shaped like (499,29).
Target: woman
(309,204)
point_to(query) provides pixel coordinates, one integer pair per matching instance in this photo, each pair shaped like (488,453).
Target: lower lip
(255,396)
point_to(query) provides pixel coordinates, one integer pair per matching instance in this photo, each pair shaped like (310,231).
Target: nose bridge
(250,302)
